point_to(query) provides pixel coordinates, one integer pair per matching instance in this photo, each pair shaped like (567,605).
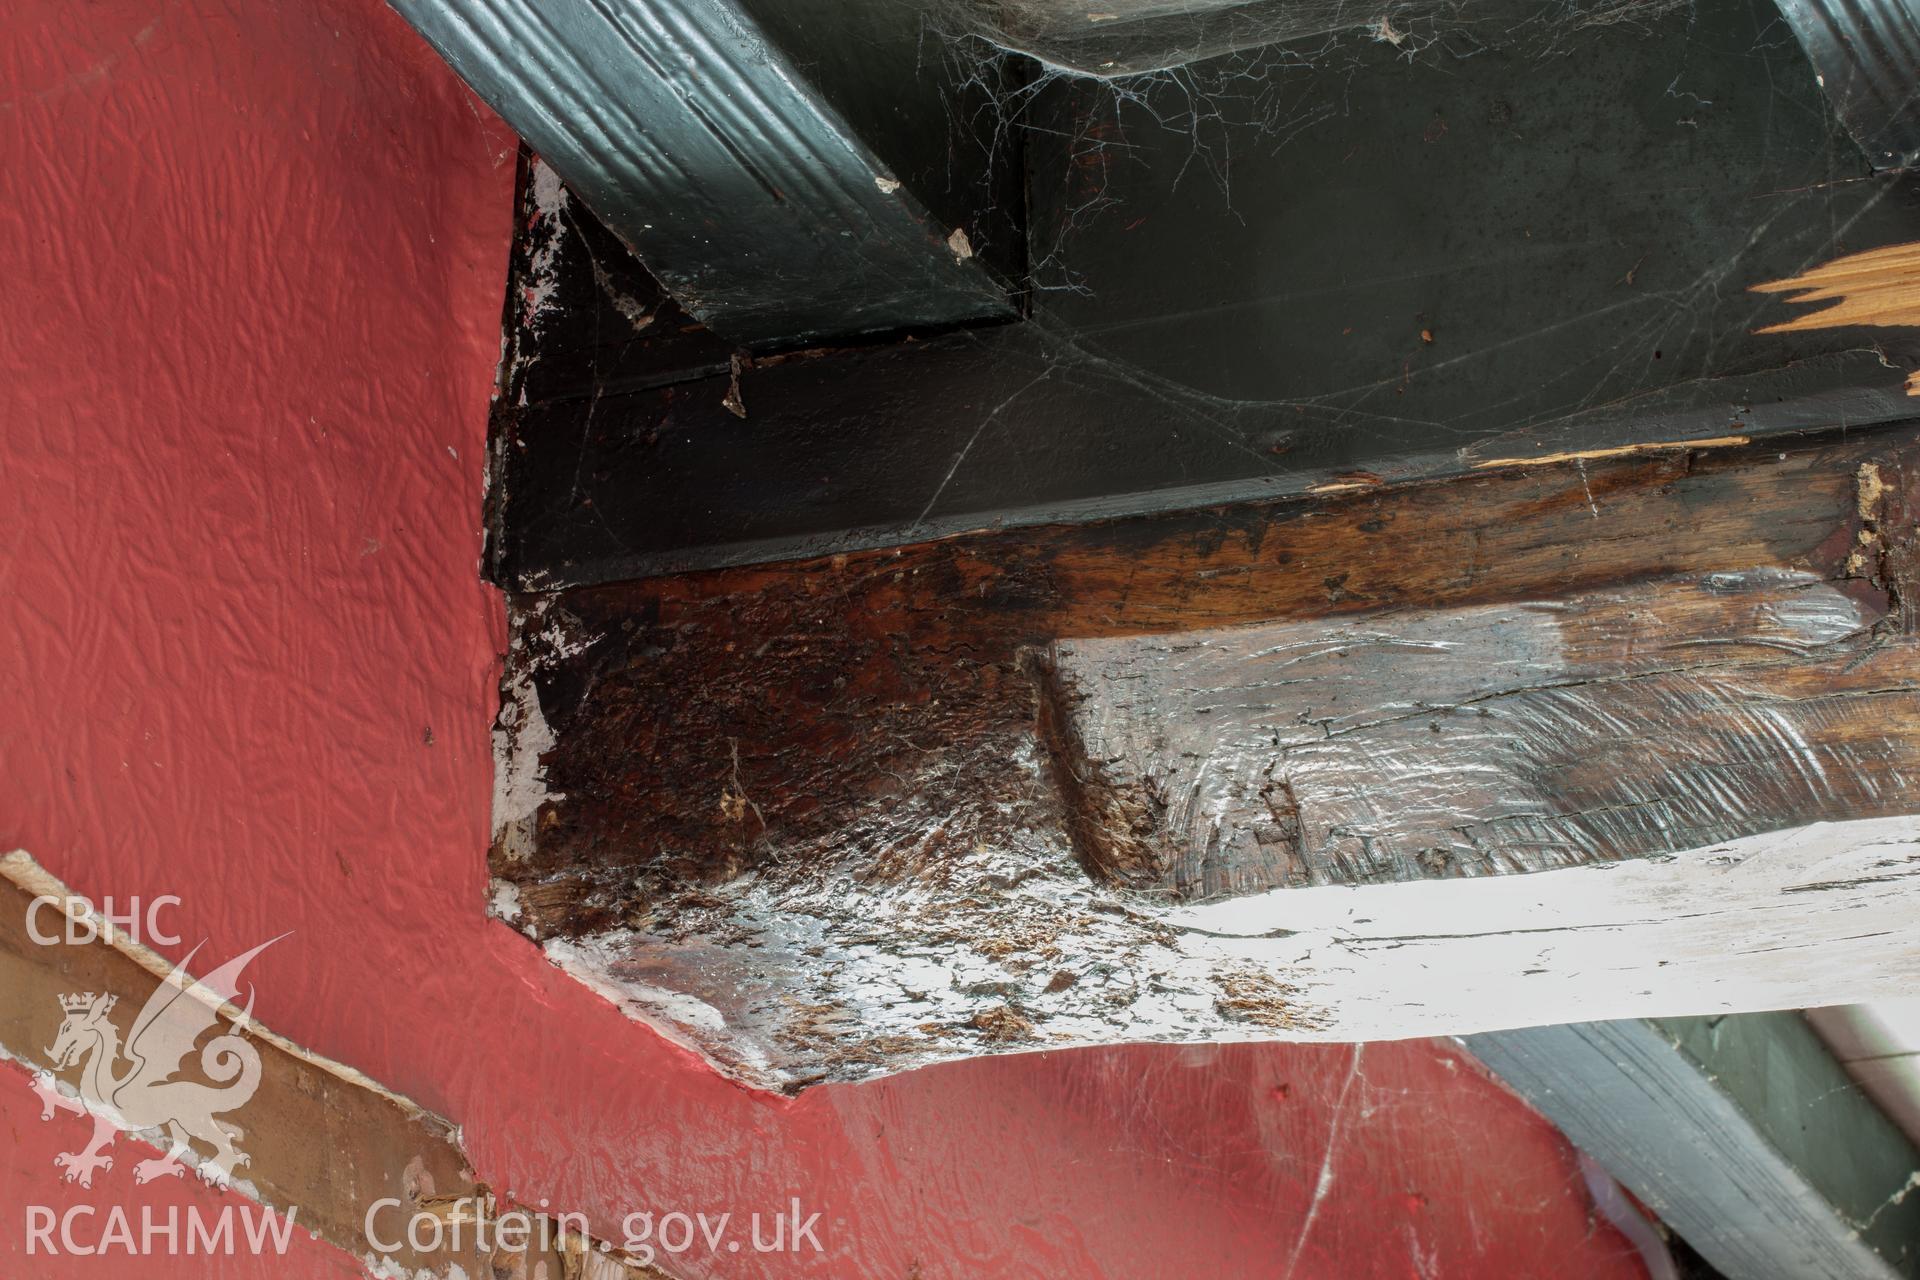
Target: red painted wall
(253,259)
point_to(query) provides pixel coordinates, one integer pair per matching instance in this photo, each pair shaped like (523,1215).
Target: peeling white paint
(1688,934)
(520,737)
(381,1267)
(504,904)
(550,200)
(559,643)
(631,309)
(583,959)
(679,1018)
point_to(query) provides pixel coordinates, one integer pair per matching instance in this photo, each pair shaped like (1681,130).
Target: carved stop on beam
(1594,738)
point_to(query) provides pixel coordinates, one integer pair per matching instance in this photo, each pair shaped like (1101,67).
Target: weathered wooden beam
(1743,1133)
(766,213)
(1077,784)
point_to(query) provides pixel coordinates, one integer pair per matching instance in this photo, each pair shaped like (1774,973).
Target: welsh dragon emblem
(142,1096)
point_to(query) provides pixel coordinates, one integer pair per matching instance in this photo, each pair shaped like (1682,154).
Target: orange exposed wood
(1879,288)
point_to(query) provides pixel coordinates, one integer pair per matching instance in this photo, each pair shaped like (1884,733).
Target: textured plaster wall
(253,260)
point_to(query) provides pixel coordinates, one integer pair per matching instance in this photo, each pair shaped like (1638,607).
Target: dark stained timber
(687,126)
(1434,555)
(1037,767)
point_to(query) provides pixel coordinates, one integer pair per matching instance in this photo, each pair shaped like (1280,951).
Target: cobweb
(1223,77)
(1125,38)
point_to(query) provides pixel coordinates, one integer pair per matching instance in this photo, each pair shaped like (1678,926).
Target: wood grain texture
(836,817)
(1879,288)
(324,1142)
(1489,740)
(712,724)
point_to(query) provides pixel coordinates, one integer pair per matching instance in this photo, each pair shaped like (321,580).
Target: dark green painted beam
(1743,1133)
(707,152)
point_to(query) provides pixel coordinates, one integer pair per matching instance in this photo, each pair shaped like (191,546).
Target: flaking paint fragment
(550,200)
(520,737)
(1869,488)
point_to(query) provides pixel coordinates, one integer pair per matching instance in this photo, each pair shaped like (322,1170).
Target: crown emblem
(143,1095)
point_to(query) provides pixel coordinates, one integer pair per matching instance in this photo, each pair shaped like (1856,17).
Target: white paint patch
(1402,737)
(585,960)
(1818,915)
(558,642)
(380,1267)
(960,245)
(631,309)
(521,734)
(678,1018)
(520,737)
(550,200)
(504,904)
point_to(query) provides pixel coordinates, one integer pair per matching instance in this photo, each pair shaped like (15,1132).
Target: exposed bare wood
(843,816)
(1617,451)
(324,1142)
(1880,287)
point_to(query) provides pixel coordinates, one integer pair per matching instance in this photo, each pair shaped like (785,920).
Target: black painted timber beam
(700,144)
(1472,263)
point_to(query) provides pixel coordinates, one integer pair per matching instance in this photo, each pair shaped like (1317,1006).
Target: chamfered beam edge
(702,147)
